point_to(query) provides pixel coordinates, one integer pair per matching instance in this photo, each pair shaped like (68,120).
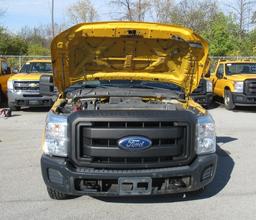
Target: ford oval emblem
(134,143)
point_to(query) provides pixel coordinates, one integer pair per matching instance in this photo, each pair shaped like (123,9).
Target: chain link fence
(16,62)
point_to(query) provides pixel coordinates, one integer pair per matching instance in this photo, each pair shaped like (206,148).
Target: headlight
(10,85)
(205,135)
(55,135)
(239,87)
(208,86)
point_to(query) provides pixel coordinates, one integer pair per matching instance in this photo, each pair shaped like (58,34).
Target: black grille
(96,142)
(201,89)
(105,142)
(250,87)
(131,124)
(26,85)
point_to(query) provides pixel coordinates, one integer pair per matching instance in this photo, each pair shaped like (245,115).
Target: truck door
(5,73)
(218,81)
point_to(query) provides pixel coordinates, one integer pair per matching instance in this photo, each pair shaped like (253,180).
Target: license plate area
(135,185)
(33,102)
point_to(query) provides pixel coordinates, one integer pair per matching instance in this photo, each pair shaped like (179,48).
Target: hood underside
(129,51)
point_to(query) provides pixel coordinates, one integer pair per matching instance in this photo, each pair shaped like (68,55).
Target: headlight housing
(208,86)
(10,84)
(239,87)
(205,135)
(55,136)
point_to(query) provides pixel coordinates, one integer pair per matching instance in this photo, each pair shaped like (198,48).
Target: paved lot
(232,195)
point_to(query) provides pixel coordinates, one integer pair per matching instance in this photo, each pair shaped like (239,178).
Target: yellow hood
(26,76)
(241,77)
(129,51)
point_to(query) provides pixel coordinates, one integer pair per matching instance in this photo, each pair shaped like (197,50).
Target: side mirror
(208,74)
(8,70)
(46,85)
(15,71)
(219,75)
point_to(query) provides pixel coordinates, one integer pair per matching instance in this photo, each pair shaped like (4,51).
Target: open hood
(129,51)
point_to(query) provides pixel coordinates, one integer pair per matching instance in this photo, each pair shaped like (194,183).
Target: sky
(20,13)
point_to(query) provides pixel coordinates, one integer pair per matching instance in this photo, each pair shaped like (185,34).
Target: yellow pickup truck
(124,123)
(235,82)
(23,88)
(5,73)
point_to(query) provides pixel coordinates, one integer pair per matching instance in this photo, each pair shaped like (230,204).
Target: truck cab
(23,88)
(5,74)
(124,123)
(235,82)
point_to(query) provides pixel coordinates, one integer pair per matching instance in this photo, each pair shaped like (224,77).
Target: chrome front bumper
(28,98)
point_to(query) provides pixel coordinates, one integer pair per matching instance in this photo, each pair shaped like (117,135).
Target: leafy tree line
(229,27)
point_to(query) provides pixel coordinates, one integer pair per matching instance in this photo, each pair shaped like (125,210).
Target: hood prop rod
(191,75)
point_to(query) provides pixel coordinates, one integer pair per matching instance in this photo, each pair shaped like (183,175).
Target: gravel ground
(232,195)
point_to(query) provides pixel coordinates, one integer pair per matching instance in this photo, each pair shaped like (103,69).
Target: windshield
(125,84)
(240,68)
(36,67)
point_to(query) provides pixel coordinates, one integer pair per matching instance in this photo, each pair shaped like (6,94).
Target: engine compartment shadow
(245,109)
(36,109)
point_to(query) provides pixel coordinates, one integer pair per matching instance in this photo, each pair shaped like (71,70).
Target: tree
(34,35)
(38,50)
(39,38)
(160,10)
(12,44)
(132,10)
(242,12)
(252,39)
(195,14)
(254,17)
(82,11)
(222,36)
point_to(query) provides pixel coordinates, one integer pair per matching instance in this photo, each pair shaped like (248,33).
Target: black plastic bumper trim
(70,174)
(240,99)
(203,99)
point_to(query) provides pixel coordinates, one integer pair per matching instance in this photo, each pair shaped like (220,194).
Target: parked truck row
(231,81)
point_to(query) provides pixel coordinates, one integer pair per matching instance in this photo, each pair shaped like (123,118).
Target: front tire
(228,100)
(54,194)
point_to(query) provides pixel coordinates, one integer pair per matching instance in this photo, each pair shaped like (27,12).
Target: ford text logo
(134,143)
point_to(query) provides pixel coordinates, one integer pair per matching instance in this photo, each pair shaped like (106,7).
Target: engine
(118,103)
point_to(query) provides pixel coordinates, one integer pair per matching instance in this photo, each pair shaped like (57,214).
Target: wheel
(228,100)
(54,194)
(14,107)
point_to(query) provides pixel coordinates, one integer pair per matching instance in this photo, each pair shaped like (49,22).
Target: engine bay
(117,103)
